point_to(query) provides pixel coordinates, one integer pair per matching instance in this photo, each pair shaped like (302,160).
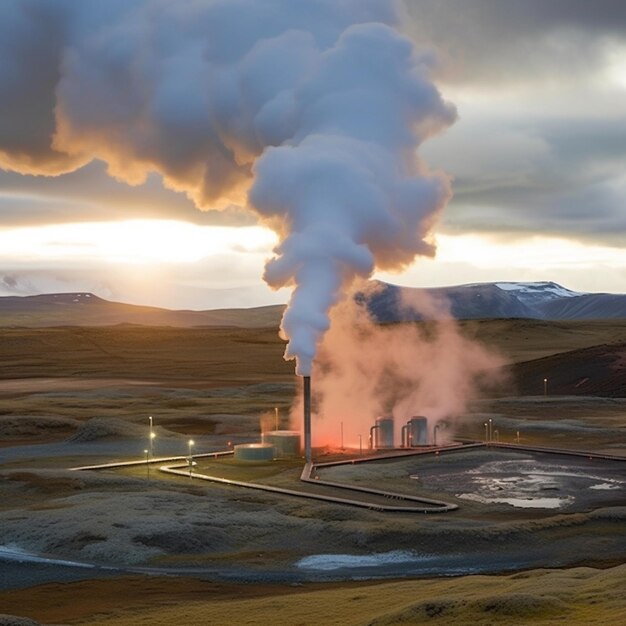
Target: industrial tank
(286,442)
(381,434)
(257,452)
(418,431)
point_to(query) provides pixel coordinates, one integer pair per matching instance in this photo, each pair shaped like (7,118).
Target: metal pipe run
(371,441)
(405,436)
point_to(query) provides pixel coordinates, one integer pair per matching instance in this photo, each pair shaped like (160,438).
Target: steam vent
(306,381)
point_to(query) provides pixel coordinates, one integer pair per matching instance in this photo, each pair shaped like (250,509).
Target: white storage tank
(286,442)
(256,452)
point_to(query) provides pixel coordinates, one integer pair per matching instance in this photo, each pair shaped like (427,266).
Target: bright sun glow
(234,256)
(616,68)
(133,241)
(480,258)
(530,253)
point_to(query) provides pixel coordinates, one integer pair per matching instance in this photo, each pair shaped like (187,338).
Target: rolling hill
(387,304)
(594,371)
(87,309)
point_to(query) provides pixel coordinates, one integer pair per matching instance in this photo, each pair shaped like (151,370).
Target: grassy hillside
(581,596)
(84,309)
(241,356)
(526,340)
(595,371)
(211,356)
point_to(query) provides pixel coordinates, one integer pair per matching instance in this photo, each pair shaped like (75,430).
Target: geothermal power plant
(280,444)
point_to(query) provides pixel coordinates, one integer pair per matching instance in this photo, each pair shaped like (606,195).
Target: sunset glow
(133,241)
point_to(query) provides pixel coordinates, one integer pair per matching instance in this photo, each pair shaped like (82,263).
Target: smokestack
(307,419)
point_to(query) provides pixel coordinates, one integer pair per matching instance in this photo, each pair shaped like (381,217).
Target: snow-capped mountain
(536,293)
(540,300)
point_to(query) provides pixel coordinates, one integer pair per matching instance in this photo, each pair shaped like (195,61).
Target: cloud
(482,41)
(90,194)
(523,175)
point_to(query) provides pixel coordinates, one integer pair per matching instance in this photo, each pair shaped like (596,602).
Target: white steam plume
(309,111)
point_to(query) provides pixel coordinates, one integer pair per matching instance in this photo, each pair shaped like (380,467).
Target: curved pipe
(405,436)
(372,429)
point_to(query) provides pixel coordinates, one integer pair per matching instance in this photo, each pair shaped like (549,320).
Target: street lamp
(146,452)
(151,436)
(276,416)
(490,430)
(517,436)
(497,435)
(190,459)
(486,432)
(545,386)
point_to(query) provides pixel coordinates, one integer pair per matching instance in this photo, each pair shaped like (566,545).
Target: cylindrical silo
(383,433)
(418,431)
(286,442)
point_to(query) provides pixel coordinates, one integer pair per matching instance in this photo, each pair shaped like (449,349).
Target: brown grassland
(215,382)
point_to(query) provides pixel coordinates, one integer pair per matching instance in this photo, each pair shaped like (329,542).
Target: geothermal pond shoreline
(20,569)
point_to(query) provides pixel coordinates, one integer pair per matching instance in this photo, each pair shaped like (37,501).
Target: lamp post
(151,436)
(497,435)
(490,430)
(146,452)
(517,436)
(276,416)
(435,429)
(486,432)
(190,458)
(545,386)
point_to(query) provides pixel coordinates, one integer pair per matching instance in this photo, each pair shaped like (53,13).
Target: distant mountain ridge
(87,309)
(387,303)
(540,300)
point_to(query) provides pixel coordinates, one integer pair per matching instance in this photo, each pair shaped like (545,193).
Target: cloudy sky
(537,156)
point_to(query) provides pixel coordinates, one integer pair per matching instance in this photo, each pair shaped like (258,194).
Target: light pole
(497,435)
(435,429)
(490,430)
(545,386)
(486,432)
(146,452)
(276,416)
(517,436)
(151,437)
(190,459)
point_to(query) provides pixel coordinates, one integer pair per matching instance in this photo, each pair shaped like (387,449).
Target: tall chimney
(307,419)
